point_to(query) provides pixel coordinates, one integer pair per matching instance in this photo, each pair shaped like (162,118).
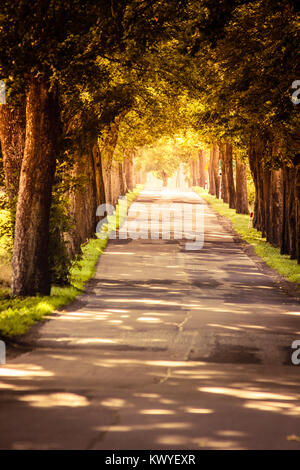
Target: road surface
(167,349)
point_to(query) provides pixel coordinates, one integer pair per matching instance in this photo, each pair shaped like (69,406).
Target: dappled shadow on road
(132,388)
(166,349)
(158,404)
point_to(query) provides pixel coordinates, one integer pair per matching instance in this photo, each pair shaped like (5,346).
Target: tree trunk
(214,179)
(255,161)
(122,179)
(31,273)
(277,207)
(164,178)
(197,171)
(107,152)
(229,174)
(241,188)
(212,187)
(216,169)
(194,172)
(297,202)
(128,166)
(225,195)
(100,190)
(83,200)
(289,227)
(116,182)
(202,163)
(12,137)
(292,214)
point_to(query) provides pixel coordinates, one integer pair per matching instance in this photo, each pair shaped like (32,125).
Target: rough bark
(31,273)
(202,171)
(276,205)
(107,149)
(12,137)
(224,180)
(128,167)
(297,207)
(83,200)
(214,179)
(228,167)
(122,179)
(216,170)
(100,190)
(255,166)
(241,188)
(290,235)
(115,182)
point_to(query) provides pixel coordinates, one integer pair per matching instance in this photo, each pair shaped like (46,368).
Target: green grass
(288,268)
(18,313)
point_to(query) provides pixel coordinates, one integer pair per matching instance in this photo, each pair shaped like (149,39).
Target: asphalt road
(168,349)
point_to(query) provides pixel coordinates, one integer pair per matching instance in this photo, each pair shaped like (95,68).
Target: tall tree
(241,188)
(55,44)
(30,258)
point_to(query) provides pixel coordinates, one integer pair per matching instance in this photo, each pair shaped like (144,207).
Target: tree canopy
(111,83)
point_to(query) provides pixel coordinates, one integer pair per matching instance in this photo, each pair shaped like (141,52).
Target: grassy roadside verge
(286,267)
(18,313)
